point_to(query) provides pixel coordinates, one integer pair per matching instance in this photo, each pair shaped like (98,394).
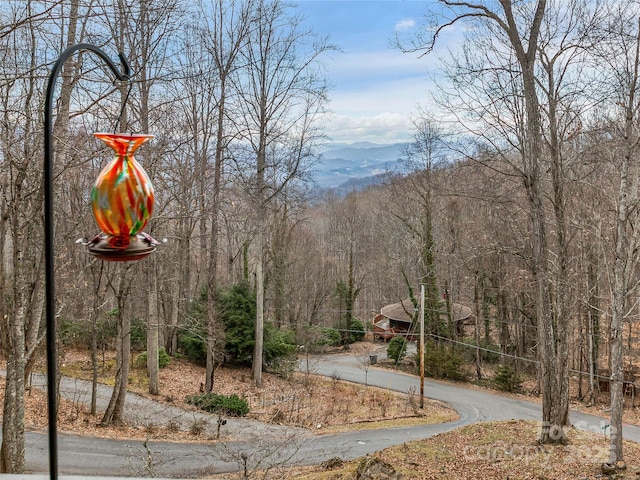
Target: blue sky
(374,88)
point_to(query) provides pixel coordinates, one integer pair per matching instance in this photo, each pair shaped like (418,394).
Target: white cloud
(374,65)
(379,113)
(397,95)
(375,94)
(383,127)
(405,24)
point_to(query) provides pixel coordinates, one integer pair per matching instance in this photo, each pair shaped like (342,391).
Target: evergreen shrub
(356,330)
(230,405)
(329,337)
(237,313)
(163,359)
(397,348)
(443,361)
(507,379)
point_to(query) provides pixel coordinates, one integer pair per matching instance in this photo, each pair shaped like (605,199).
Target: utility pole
(421,349)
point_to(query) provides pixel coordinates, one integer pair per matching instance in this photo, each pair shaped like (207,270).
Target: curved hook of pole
(126,70)
(123,75)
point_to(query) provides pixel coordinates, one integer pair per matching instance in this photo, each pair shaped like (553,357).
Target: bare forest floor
(487,450)
(494,450)
(303,400)
(578,400)
(578,397)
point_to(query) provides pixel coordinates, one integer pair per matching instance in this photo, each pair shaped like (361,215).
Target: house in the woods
(396,318)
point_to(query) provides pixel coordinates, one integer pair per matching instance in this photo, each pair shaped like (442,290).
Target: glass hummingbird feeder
(122,202)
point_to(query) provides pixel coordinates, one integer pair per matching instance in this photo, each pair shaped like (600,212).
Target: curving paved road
(269,447)
(472,404)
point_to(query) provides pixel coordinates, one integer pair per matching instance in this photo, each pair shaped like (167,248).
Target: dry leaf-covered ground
(496,450)
(488,451)
(578,397)
(304,400)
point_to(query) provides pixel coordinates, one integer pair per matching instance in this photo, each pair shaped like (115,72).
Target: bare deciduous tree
(227,32)
(526,53)
(280,96)
(21,268)
(619,50)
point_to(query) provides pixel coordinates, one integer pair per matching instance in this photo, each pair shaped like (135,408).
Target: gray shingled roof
(403,311)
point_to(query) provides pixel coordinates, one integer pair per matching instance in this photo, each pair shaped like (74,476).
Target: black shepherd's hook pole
(48,238)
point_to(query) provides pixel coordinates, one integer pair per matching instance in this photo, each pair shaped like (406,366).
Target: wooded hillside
(521,202)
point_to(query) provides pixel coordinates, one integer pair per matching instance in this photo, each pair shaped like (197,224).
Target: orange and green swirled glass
(122,197)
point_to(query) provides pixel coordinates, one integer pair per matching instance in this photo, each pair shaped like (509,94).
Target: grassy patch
(437,417)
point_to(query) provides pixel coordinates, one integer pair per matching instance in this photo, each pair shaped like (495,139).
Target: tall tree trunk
(617,318)
(626,247)
(23,302)
(114,414)
(259,335)
(593,325)
(550,349)
(476,303)
(261,211)
(153,328)
(12,458)
(213,322)
(97,269)
(561,309)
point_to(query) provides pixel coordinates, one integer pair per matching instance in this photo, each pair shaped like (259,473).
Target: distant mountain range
(345,168)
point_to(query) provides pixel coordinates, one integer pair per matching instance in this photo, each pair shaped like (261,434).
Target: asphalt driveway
(268,446)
